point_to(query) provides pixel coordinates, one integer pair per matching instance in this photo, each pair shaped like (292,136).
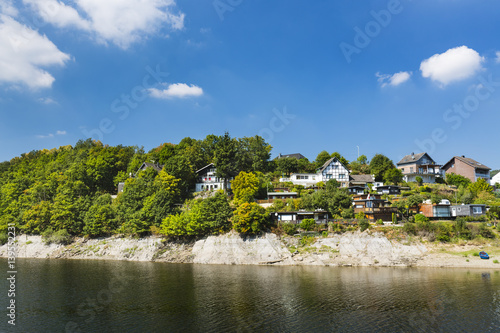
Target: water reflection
(159,297)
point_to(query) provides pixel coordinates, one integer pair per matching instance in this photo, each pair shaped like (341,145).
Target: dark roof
(412,158)
(468,161)
(361,178)
(145,165)
(387,186)
(206,166)
(327,163)
(296,156)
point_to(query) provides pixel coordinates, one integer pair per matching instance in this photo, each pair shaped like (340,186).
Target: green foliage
(394,218)
(307,240)
(200,217)
(379,165)
(250,218)
(3,238)
(393,176)
(100,218)
(287,165)
(363,224)
(360,216)
(322,158)
(419,180)
(340,158)
(347,213)
(410,228)
(457,180)
(57,237)
(289,228)
(480,185)
(380,222)
(245,186)
(420,218)
(307,224)
(485,231)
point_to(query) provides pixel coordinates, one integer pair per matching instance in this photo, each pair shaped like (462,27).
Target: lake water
(113,296)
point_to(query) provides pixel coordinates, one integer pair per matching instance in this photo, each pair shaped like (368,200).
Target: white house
(495,179)
(208,181)
(332,169)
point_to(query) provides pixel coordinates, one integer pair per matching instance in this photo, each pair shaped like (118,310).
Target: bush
(289,228)
(307,240)
(58,237)
(335,227)
(324,234)
(485,232)
(410,228)
(3,238)
(394,218)
(380,222)
(420,218)
(360,216)
(307,224)
(363,224)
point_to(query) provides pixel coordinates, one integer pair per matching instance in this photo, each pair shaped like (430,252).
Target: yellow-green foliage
(249,218)
(245,185)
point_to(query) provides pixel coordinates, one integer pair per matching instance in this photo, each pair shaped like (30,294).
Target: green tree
(479,186)
(341,158)
(224,158)
(379,165)
(419,180)
(393,176)
(457,180)
(322,158)
(245,187)
(100,218)
(250,218)
(287,165)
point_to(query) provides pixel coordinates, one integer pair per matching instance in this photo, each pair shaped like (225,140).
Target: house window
(328,176)
(215,186)
(411,169)
(477,210)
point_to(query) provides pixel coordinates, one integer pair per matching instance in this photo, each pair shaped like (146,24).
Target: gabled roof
(145,165)
(361,178)
(296,156)
(468,161)
(205,167)
(327,163)
(412,158)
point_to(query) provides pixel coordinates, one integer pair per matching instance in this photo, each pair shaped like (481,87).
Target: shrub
(410,228)
(307,224)
(57,237)
(485,232)
(363,224)
(324,234)
(360,216)
(3,238)
(495,261)
(335,227)
(394,218)
(289,228)
(380,222)
(307,240)
(421,218)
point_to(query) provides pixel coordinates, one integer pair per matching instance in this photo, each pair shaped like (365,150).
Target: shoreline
(354,249)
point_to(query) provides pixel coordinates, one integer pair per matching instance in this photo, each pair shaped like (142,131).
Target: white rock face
(356,249)
(233,249)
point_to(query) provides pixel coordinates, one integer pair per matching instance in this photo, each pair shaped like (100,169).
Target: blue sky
(391,77)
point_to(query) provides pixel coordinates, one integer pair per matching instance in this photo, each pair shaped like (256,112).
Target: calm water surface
(112,296)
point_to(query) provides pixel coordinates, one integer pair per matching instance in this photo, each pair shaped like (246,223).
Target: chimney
(463,156)
(412,156)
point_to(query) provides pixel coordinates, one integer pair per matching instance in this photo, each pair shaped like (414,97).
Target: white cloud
(121,22)
(47,100)
(51,135)
(394,79)
(24,53)
(453,65)
(498,57)
(58,14)
(176,90)
(7,8)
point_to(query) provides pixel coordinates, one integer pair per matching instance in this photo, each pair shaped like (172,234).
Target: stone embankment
(348,249)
